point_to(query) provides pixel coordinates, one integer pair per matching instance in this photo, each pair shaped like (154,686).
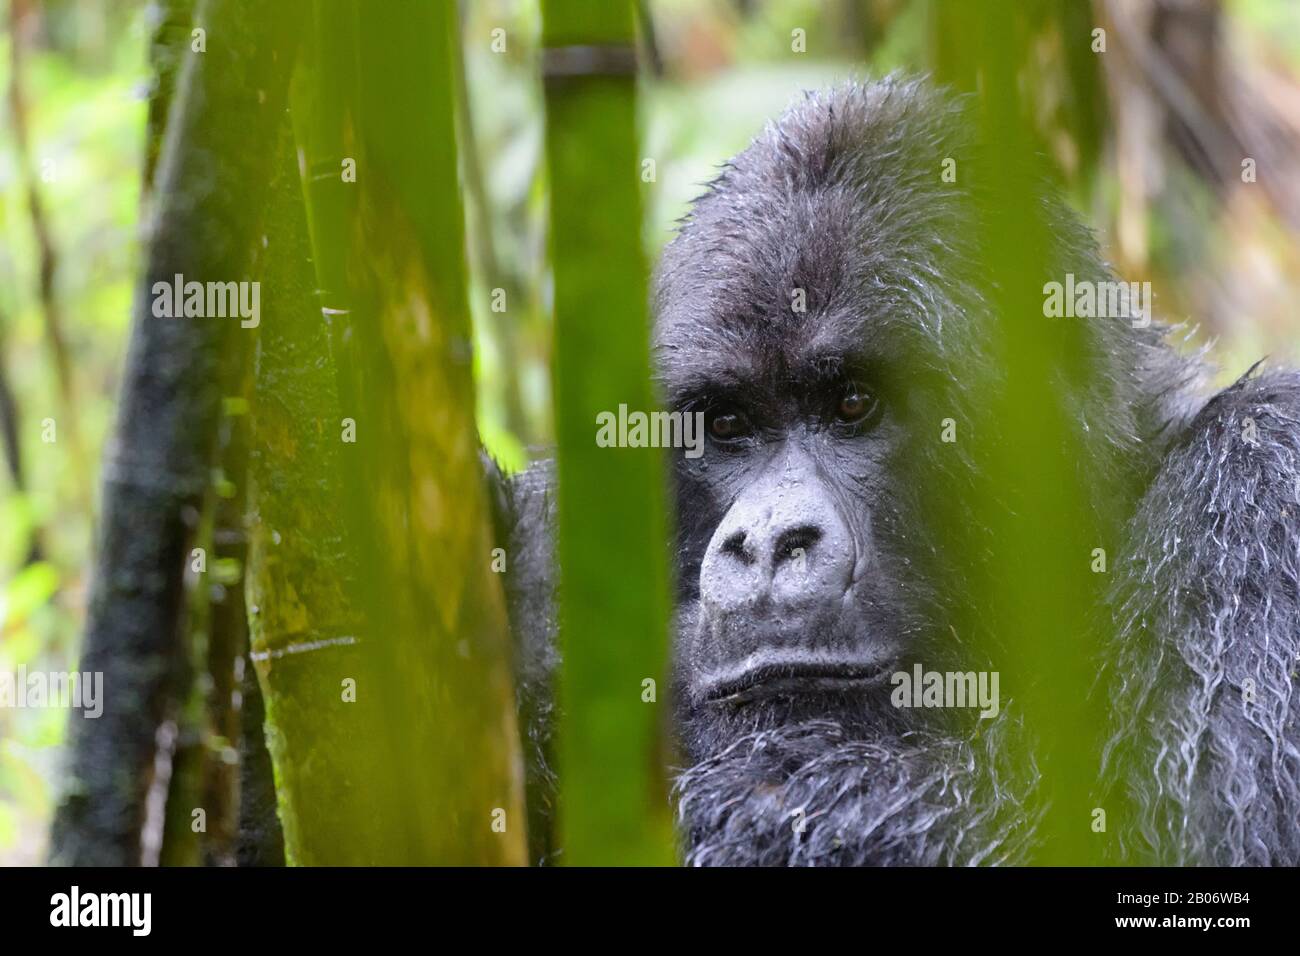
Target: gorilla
(828,539)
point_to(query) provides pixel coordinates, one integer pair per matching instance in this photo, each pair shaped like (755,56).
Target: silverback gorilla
(812,563)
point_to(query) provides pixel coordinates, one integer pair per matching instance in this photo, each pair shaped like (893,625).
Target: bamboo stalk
(612,525)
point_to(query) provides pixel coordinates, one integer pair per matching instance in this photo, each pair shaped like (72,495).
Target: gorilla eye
(856,405)
(727,425)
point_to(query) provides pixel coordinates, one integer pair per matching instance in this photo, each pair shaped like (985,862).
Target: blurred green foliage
(84,83)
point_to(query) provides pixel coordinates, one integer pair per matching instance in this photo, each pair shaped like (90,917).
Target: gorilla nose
(792,544)
(779,550)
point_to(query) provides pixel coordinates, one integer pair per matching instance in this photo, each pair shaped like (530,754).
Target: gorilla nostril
(799,539)
(735,546)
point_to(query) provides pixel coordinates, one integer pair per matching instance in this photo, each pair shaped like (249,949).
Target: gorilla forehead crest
(830,230)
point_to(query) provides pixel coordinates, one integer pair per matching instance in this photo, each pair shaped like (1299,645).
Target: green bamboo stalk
(614,610)
(1039,589)
(423,766)
(301,576)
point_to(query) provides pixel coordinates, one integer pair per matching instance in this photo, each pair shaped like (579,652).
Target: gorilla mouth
(793,678)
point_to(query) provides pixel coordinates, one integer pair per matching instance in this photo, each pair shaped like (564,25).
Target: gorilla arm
(1204,751)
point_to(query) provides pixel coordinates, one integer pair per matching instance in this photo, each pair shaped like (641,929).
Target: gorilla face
(797,593)
(798,310)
